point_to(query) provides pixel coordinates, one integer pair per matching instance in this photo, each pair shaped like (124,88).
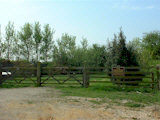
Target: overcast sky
(95,20)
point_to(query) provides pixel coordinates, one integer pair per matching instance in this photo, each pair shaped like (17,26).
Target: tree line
(34,42)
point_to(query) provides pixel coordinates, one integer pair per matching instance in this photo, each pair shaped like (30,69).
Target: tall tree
(119,53)
(112,52)
(98,55)
(37,39)
(17,48)
(47,43)
(0,43)
(66,46)
(151,41)
(122,59)
(26,39)
(84,52)
(115,50)
(9,38)
(144,55)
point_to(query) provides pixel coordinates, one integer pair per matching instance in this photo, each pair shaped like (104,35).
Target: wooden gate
(17,75)
(44,75)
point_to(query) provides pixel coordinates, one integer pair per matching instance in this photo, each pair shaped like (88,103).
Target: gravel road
(47,104)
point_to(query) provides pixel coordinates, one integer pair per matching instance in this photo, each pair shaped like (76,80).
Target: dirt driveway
(47,104)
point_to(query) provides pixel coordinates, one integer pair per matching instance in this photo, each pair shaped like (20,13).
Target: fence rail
(84,76)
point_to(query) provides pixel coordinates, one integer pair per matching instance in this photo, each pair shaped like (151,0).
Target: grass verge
(135,97)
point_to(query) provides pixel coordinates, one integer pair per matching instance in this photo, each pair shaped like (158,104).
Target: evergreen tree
(119,53)
(122,54)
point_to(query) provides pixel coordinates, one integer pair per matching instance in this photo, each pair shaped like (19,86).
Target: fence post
(38,74)
(153,82)
(85,78)
(158,76)
(0,74)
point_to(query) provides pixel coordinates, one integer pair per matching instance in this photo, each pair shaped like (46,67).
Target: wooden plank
(0,74)
(100,81)
(38,74)
(62,83)
(147,67)
(130,82)
(18,83)
(130,77)
(100,77)
(76,68)
(153,80)
(85,78)
(139,86)
(158,77)
(60,80)
(98,72)
(19,68)
(118,82)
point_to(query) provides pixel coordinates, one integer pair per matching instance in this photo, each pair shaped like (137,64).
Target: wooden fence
(84,76)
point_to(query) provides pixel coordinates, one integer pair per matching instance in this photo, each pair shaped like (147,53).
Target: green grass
(134,105)
(96,102)
(138,96)
(30,102)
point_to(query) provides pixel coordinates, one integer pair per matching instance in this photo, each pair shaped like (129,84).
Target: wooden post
(158,77)
(85,78)
(0,74)
(38,74)
(153,82)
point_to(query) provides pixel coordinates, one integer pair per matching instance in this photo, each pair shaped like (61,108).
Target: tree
(0,43)
(122,57)
(84,44)
(119,53)
(114,51)
(37,35)
(66,46)
(17,48)
(9,37)
(143,54)
(132,56)
(97,56)
(47,43)
(25,36)
(152,43)
(83,52)
(55,56)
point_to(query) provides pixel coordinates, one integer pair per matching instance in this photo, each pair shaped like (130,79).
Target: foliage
(2,45)
(47,43)
(37,39)
(151,42)
(25,36)
(9,39)
(119,53)
(97,56)
(143,55)
(64,52)
(35,43)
